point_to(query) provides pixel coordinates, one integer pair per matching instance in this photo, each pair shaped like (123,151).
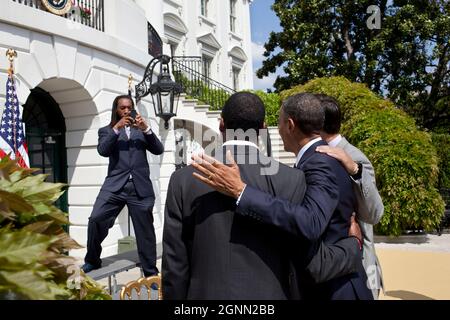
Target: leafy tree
(407,59)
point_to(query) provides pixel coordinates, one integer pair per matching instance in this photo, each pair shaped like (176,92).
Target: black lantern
(165,92)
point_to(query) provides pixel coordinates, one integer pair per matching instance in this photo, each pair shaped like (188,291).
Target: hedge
(441,141)
(404,158)
(272,102)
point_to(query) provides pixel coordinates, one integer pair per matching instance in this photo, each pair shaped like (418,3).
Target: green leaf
(38,227)
(33,245)
(52,213)
(32,285)
(22,246)
(15,202)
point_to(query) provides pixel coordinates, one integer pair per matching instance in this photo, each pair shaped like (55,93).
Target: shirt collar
(335,141)
(240,143)
(304,148)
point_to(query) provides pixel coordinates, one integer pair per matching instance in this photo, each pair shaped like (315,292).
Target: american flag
(12,131)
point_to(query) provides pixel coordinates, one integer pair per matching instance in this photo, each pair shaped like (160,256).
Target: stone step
(202,108)
(213,114)
(277,146)
(190,101)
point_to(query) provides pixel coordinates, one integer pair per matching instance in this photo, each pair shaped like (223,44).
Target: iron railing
(188,72)
(87,12)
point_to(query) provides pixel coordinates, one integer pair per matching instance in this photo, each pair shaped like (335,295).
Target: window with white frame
(233,16)
(204,7)
(206,66)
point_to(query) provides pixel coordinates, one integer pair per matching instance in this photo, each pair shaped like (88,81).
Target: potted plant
(34,246)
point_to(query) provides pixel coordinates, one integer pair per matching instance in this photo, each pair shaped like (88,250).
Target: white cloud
(258,58)
(264,83)
(257,53)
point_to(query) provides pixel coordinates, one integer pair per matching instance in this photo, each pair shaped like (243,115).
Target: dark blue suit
(127,183)
(324,215)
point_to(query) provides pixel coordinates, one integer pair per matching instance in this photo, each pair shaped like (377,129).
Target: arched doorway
(45,133)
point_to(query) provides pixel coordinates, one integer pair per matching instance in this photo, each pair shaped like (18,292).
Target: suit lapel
(133,133)
(125,142)
(123,134)
(132,144)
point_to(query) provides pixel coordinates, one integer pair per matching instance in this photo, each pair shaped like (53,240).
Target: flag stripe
(12,129)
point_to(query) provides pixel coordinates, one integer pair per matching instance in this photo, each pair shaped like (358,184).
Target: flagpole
(12,54)
(130,80)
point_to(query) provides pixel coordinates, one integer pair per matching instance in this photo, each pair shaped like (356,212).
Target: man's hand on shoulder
(340,155)
(223,178)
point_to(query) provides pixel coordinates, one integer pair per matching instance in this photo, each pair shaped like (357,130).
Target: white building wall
(188,12)
(83,69)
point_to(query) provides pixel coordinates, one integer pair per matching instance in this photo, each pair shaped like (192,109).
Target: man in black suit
(209,252)
(325,213)
(125,141)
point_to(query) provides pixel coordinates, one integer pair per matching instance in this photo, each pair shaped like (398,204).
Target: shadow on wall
(407,295)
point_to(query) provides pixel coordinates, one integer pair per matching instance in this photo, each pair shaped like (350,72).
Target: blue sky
(263,21)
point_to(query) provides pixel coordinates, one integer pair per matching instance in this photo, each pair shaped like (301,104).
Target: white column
(167,160)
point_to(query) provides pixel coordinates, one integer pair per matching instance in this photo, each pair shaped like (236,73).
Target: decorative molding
(176,3)
(235,36)
(207,21)
(175,22)
(238,57)
(174,28)
(210,40)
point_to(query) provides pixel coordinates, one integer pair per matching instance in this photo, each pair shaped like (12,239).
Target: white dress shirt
(335,141)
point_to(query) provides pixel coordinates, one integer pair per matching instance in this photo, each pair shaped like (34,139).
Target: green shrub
(33,245)
(405,161)
(442,143)
(272,102)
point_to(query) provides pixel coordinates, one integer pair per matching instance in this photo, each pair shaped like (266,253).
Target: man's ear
(221,125)
(291,125)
